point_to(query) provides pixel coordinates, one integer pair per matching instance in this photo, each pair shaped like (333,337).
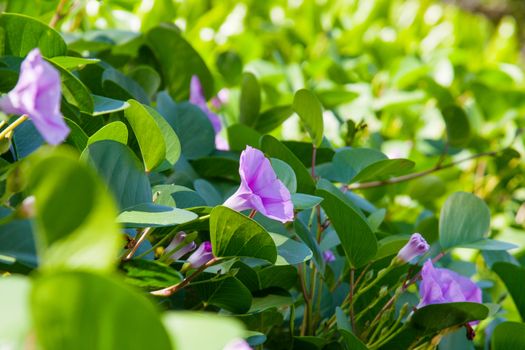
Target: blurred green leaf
(250,100)
(310,110)
(508,335)
(514,278)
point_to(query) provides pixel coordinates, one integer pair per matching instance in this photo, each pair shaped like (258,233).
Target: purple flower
(415,247)
(201,256)
(198,99)
(440,286)
(37,94)
(328,256)
(177,241)
(260,188)
(237,344)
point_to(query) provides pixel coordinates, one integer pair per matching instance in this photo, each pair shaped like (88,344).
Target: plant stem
(13,125)
(165,292)
(314,155)
(58,15)
(408,177)
(138,242)
(302,274)
(252,213)
(381,342)
(350,300)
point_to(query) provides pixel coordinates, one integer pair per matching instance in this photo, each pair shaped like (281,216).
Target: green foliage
(380,118)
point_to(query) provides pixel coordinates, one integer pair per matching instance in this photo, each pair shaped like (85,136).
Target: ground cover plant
(260,175)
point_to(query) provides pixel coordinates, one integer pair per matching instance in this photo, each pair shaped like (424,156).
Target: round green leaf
(152,215)
(464,219)
(234,235)
(116,131)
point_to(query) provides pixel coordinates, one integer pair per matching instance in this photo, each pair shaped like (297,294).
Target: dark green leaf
(508,335)
(357,238)
(150,274)
(458,125)
(514,278)
(272,118)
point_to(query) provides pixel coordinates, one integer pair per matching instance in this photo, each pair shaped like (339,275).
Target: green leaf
(279,276)
(348,163)
(165,42)
(489,244)
(285,173)
(240,135)
(229,64)
(122,171)
(310,110)
(250,100)
(384,169)
(72,62)
(514,278)
(105,105)
(15,326)
(146,77)
(20,34)
(508,335)
(121,87)
(17,241)
(226,292)
(150,274)
(74,234)
(171,140)
(304,201)
(272,118)
(464,219)
(148,134)
(357,238)
(74,91)
(308,238)
(186,330)
(433,318)
(195,132)
(275,149)
(289,251)
(96,303)
(270,301)
(458,125)
(234,235)
(152,215)
(390,246)
(77,137)
(217,166)
(116,131)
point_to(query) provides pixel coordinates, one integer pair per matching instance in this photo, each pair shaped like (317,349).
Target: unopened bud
(27,208)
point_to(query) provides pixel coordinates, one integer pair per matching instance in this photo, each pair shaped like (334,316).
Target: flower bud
(415,247)
(177,241)
(328,256)
(27,209)
(201,256)
(237,344)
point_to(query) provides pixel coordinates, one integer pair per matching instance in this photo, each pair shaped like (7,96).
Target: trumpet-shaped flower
(260,188)
(440,286)
(201,256)
(37,94)
(415,247)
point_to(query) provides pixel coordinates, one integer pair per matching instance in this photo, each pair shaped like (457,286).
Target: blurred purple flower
(237,344)
(328,256)
(37,94)
(178,240)
(198,99)
(260,188)
(201,256)
(415,247)
(440,286)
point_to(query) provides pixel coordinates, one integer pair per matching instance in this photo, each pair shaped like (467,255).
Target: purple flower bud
(260,188)
(237,344)
(415,247)
(440,286)
(177,241)
(198,99)
(202,255)
(328,256)
(37,94)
